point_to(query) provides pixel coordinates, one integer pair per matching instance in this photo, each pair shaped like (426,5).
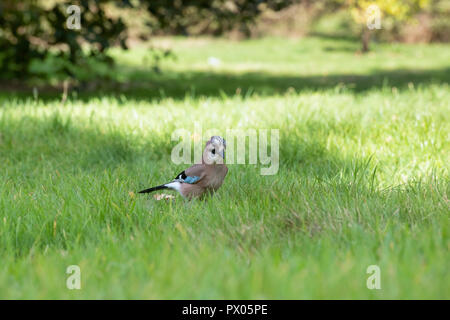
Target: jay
(200,179)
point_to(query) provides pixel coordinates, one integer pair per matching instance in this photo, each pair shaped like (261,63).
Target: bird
(203,178)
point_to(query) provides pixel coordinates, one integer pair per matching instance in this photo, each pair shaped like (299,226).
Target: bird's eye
(213,151)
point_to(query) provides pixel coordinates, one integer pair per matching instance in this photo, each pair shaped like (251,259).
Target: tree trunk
(365,38)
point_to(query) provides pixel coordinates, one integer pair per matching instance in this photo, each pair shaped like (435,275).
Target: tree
(35,39)
(370,13)
(34,36)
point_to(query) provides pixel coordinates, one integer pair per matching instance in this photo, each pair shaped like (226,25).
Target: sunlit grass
(363,179)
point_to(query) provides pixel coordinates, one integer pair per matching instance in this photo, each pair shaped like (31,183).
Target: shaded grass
(363,180)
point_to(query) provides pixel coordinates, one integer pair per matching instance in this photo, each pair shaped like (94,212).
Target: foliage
(209,16)
(398,10)
(35,38)
(440,12)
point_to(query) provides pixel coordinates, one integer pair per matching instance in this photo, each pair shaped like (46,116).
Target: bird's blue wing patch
(191,180)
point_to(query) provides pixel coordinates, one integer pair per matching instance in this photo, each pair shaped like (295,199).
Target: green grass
(363,178)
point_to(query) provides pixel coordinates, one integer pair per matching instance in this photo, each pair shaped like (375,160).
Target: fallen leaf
(163,196)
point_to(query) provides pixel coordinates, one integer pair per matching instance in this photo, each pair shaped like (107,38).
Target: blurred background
(38,48)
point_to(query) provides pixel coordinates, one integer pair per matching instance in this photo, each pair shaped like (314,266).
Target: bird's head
(214,152)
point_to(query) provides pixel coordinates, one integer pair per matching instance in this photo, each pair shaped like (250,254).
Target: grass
(363,178)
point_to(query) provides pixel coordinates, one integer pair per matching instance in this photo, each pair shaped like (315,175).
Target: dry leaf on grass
(163,196)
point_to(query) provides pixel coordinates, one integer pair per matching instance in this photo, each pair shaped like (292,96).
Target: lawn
(363,177)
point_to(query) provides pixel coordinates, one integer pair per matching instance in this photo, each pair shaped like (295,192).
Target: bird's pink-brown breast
(217,177)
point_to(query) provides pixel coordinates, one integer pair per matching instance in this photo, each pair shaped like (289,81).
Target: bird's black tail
(161,187)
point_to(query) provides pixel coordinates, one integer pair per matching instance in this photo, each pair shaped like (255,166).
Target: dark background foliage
(30,32)
(34,37)
(36,43)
